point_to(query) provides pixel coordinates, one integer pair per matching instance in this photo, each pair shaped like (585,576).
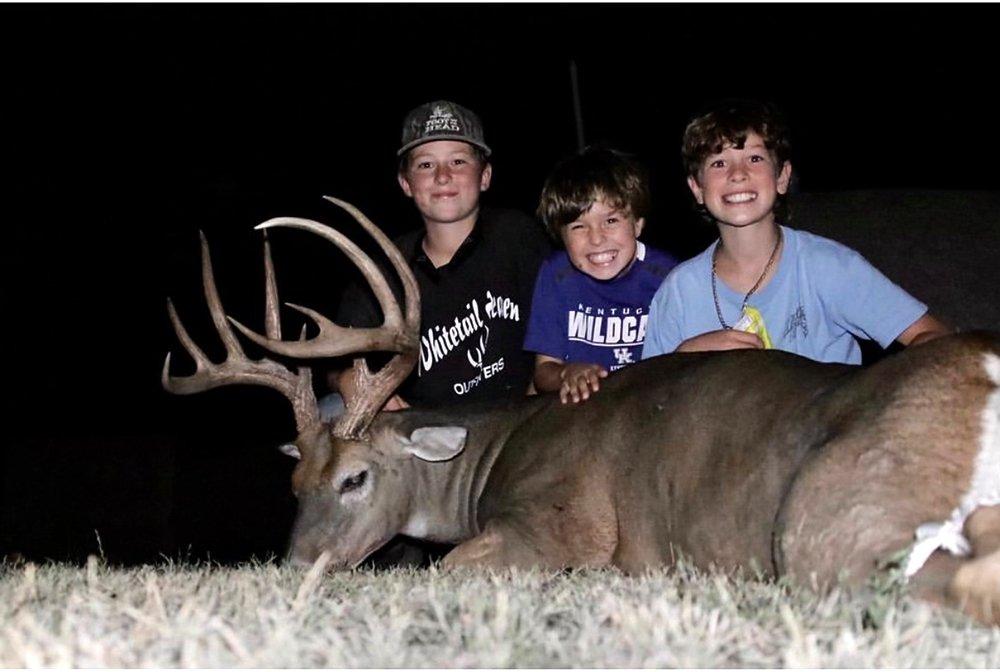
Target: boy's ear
(784,177)
(639,224)
(696,189)
(404,184)
(484,179)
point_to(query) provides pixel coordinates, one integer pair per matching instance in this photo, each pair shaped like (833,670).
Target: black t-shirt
(473,311)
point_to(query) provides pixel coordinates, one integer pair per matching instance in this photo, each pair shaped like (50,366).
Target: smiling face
(444,178)
(601,242)
(740,185)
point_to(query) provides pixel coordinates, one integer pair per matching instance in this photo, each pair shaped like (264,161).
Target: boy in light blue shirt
(763,285)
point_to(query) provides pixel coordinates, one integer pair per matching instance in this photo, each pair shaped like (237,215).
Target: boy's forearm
(925,329)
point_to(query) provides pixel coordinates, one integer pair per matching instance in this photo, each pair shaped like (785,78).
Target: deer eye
(353,482)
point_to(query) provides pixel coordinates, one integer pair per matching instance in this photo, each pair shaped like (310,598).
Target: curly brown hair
(729,123)
(596,173)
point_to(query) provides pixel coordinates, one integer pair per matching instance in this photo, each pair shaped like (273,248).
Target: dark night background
(129,128)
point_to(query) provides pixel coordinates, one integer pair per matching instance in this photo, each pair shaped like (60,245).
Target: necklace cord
(756,285)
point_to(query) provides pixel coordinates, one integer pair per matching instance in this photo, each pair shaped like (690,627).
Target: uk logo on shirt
(623,356)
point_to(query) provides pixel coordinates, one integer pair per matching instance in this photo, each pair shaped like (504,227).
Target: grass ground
(266,615)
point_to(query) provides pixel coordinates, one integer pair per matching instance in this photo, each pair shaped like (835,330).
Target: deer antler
(399,332)
(237,367)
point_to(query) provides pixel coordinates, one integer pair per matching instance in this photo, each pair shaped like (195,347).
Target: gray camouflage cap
(442,120)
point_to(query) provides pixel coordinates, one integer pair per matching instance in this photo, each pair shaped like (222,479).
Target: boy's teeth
(741,198)
(601,257)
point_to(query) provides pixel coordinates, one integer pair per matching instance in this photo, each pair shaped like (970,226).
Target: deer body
(739,459)
(753,459)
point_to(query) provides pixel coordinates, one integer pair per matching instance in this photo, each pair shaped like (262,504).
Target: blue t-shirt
(822,295)
(577,318)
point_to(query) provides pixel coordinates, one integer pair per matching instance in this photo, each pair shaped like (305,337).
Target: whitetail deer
(734,459)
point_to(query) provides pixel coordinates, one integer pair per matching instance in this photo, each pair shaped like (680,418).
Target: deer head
(345,476)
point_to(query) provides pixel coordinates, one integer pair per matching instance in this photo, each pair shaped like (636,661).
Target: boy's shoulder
(509,222)
(818,248)
(516,235)
(408,241)
(557,266)
(694,268)
(654,261)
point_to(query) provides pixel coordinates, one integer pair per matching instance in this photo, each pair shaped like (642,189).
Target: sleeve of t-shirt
(663,330)
(866,302)
(544,333)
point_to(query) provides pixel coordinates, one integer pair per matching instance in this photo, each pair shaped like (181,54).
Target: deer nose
(301,555)
(308,558)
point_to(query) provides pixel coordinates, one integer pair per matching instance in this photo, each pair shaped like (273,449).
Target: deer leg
(975,587)
(499,546)
(932,582)
(982,528)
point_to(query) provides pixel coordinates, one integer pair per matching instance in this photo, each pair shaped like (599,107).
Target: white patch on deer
(984,490)
(418,527)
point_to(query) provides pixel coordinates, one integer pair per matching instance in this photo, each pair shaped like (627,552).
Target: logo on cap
(441,119)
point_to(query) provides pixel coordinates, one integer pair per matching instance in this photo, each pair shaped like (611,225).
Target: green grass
(266,615)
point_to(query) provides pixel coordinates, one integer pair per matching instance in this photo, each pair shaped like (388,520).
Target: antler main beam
(396,334)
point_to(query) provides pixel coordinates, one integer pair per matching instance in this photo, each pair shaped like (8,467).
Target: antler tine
(233,347)
(395,335)
(377,388)
(272,318)
(200,360)
(237,367)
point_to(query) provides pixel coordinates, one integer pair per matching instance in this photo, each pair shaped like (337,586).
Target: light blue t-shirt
(822,295)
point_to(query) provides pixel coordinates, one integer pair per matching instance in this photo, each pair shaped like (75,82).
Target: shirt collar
(464,251)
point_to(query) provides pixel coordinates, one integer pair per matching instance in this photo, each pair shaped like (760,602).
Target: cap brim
(444,136)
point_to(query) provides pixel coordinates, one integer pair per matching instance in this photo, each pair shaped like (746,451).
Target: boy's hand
(579,381)
(723,339)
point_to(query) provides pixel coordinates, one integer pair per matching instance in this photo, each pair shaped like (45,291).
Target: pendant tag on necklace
(752,322)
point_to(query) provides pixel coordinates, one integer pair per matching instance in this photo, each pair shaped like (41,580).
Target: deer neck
(444,496)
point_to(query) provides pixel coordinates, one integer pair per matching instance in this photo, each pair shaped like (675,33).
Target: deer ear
(291,450)
(436,444)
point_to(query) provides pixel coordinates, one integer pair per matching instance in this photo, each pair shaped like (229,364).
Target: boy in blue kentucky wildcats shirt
(591,300)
